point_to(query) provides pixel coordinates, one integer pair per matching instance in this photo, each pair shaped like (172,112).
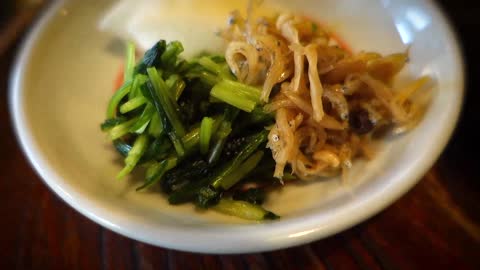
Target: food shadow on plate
(116,47)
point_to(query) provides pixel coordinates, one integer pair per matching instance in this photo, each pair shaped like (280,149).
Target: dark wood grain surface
(434,226)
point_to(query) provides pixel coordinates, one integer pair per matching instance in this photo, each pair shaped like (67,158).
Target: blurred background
(435,226)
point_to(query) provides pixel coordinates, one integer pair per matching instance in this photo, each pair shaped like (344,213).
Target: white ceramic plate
(63,79)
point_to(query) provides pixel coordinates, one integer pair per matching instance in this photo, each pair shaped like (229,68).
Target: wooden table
(435,226)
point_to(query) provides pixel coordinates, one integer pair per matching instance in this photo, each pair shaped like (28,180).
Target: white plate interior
(64,79)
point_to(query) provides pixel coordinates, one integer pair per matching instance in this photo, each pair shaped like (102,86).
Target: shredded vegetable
(329,102)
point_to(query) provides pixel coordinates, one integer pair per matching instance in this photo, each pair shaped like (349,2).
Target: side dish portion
(287,100)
